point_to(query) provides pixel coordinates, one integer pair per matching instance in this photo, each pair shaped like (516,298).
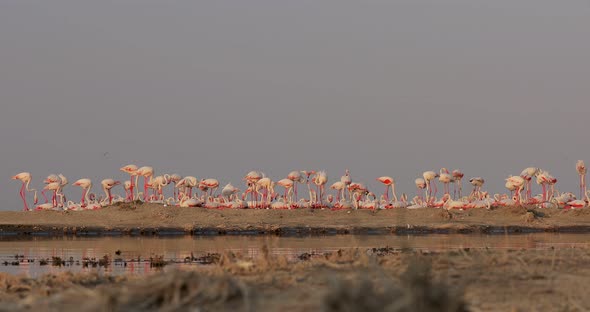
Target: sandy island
(152,219)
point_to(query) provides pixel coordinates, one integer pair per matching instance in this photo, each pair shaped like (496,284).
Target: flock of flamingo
(260,191)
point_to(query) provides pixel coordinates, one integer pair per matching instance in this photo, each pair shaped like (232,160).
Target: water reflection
(136,251)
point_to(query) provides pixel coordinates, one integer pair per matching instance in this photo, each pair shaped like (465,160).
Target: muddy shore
(375,279)
(152,219)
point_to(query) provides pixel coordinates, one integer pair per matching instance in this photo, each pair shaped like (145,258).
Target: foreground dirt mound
(376,279)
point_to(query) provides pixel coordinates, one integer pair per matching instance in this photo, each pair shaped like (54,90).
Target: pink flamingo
(251,179)
(132,171)
(174,178)
(146,172)
(347,180)
(581,168)
(445,178)
(339,187)
(544,179)
(527,174)
(518,183)
(477,183)
(127,188)
(429,176)
(229,191)
(52,178)
(307,181)
(288,184)
(458,177)
(107,185)
(86,185)
(389,183)
(158,183)
(421,186)
(25,178)
(211,184)
(296,177)
(188,183)
(320,181)
(54,188)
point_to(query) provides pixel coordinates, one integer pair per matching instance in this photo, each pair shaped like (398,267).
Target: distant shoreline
(156,220)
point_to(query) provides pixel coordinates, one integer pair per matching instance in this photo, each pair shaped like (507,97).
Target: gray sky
(217,88)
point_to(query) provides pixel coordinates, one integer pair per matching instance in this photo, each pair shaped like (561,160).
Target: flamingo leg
(82,201)
(44,196)
(131,187)
(145,189)
(23,196)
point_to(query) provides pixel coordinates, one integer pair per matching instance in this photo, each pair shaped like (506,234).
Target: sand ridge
(149,219)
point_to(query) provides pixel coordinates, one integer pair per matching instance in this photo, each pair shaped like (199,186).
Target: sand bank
(152,219)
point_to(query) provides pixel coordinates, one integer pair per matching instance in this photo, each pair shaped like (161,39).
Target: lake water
(131,254)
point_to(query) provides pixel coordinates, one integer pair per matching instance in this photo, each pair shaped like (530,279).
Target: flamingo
(518,183)
(389,183)
(357,191)
(52,178)
(53,187)
(146,172)
(511,187)
(229,191)
(477,183)
(440,203)
(578,203)
(420,185)
(127,188)
(186,202)
(417,203)
(346,180)
(211,184)
(132,171)
(320,181)
(402,203)
(458,177)
(445,178)
(296,177)
(429,176)
(581,168)
(528,174)
(339,187)
(107,185)
(60,192)
(158,183)
(370,202)
(544,179)
(251,179)
(174,178)
(187,183)
(267,185)
(308,174)
(45,206)
(289,185)
(453,204)
(86,185)
(281,203)
(25,178)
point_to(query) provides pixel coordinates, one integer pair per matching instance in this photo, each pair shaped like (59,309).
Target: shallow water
(175,249)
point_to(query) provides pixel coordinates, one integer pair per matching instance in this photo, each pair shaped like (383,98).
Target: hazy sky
(218,88)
